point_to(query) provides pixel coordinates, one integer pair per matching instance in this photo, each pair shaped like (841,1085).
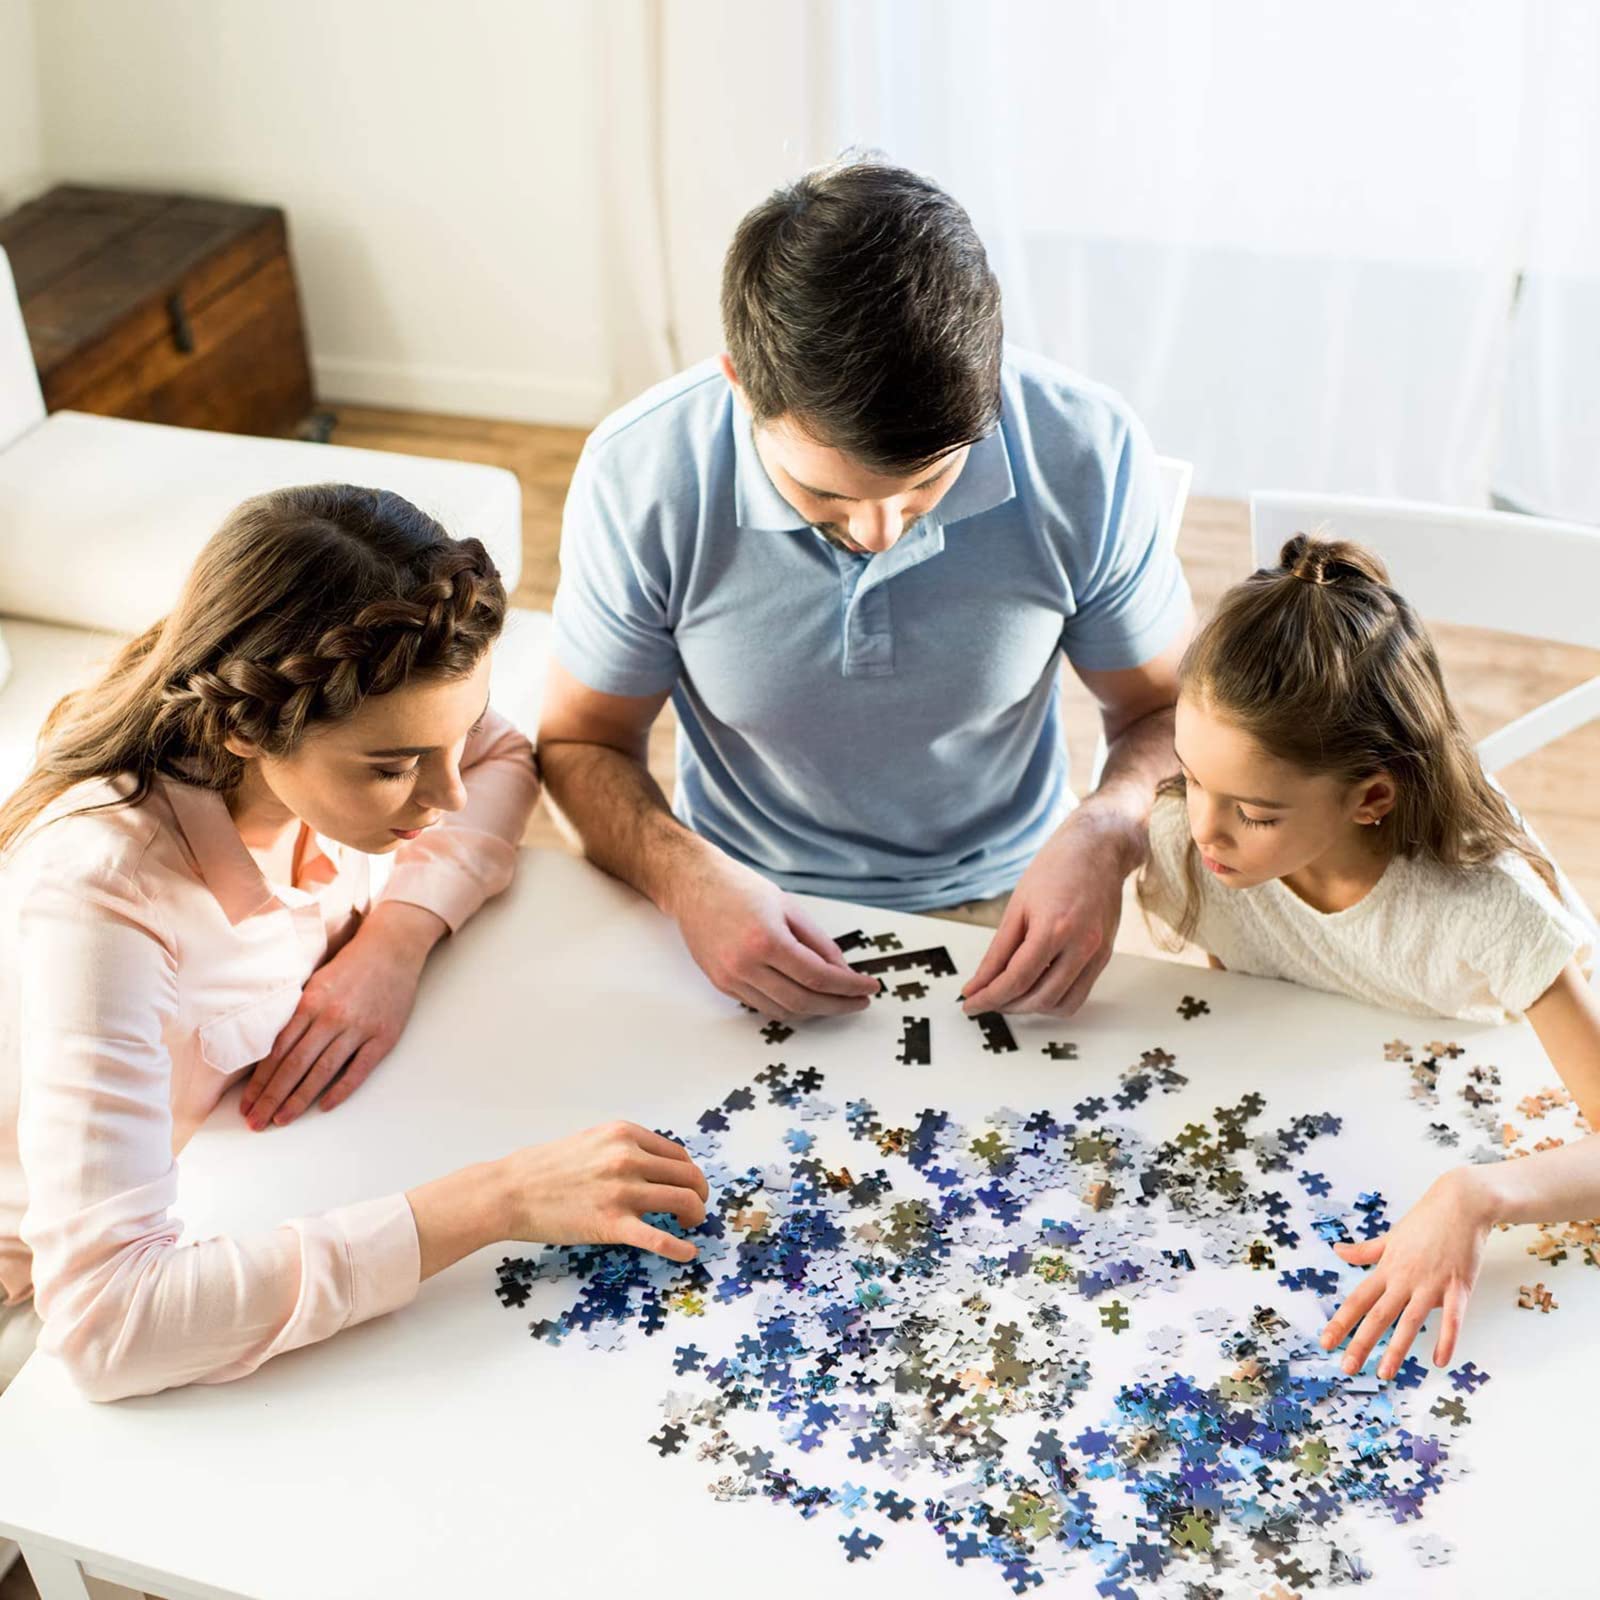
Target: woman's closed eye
(395,774)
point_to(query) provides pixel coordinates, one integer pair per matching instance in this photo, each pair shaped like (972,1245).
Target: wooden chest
(163,308)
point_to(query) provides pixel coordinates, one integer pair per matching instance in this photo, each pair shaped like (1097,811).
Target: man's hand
(351,1012)
(754,943)
(1056,936)
(1430,1257)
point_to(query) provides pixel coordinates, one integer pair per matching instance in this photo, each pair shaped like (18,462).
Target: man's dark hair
(858,300)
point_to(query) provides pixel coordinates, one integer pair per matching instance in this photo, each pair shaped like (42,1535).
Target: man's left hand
(1056,936)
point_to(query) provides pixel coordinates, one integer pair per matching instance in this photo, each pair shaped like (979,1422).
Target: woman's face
(1253,817)
(384,775)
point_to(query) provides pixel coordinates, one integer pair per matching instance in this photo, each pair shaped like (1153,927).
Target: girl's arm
(1567,1019)
(1432,1255)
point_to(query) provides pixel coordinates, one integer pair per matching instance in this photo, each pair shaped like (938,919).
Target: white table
(441,1451)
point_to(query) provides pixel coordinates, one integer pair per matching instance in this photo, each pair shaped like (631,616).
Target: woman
(186,893)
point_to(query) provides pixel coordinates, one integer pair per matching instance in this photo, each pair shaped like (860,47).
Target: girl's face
(381,777)
(1254,817)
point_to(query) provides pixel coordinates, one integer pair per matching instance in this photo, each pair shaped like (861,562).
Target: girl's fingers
(1371,1329)
(1410,1325)
(1363,1252)
(1455,1305)
(638,1233)
(354,1075)
(1364,1295)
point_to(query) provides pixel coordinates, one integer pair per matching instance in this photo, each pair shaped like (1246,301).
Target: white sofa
(100,519)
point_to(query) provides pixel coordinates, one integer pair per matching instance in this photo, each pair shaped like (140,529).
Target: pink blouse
(149,965)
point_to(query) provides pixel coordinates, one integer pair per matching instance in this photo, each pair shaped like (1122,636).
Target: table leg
(59,1577)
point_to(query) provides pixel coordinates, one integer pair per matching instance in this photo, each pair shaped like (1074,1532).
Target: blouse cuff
(385,1257)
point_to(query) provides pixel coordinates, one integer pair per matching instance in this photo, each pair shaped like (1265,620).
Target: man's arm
(752,941)
(1058,930)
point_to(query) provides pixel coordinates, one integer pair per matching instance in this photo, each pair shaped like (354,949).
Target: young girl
(1331,824)
(192,845)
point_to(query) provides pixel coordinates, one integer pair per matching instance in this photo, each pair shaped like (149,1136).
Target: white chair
(1176,477)
(1497,570)
(1477,569)
(101,518)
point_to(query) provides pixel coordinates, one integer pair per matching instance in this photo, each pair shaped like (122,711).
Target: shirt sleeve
(471,856)
(613,628)
(1132,597)
(1162,884)
(1533,935)
(125,1305)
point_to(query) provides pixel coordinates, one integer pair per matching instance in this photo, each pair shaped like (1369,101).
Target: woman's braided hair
(303,605)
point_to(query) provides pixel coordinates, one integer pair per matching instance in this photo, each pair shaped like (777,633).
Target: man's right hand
(755,943)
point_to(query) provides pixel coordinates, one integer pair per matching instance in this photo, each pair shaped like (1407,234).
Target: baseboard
(459,391)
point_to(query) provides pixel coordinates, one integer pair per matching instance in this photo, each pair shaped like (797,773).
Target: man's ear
(725,361)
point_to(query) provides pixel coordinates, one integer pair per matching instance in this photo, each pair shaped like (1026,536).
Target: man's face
(858,509)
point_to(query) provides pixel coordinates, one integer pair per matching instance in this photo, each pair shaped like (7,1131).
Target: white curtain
(1344,247)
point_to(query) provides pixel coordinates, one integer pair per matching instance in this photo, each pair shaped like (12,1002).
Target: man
(851,550)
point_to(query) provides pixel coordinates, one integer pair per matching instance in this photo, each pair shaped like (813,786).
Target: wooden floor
(1493,677)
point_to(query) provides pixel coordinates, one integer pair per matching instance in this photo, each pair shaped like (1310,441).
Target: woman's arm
(1567,1019)
(128,1307)
(470,856)
(132,1310)
(355,1007)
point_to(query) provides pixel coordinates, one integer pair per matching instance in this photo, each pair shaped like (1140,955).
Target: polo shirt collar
(986,481)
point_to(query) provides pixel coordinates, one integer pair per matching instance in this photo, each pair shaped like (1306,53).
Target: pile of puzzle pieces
(887,1326)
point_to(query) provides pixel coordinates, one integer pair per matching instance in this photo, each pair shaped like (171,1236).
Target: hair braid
(306,603)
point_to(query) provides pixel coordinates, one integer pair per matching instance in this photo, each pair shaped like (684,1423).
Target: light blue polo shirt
(880,728)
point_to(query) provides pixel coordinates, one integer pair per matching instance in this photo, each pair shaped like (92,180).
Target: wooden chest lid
(89,262)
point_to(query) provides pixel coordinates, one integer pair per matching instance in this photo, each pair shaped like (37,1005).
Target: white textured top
(1481,944)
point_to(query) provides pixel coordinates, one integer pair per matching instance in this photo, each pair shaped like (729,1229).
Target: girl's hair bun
(1331,561)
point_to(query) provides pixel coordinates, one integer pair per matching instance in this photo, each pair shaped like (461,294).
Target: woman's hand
(351,1012)
(1430,1257)
(594,1187)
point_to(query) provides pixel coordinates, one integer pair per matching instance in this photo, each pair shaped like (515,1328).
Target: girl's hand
(1430,1257)
(351,1012)
(596,1187)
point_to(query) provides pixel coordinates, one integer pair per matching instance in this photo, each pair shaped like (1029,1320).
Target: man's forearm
(1138,760)
(621,815)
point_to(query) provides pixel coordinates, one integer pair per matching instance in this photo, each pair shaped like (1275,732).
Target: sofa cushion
(101,518)
(50,661)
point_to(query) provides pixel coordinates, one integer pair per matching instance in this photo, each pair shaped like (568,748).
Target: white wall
(436,161)
(20,154)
